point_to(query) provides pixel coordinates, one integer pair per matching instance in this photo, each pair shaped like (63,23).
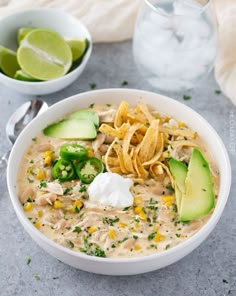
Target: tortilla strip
(146,112)
(142,173)
(165,168)
(159,152)
(121,114)
(106,156)
(149,142)
(178,132)
(116,133)
(118,150)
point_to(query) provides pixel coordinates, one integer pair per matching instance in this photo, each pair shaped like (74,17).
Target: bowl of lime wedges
(42,50)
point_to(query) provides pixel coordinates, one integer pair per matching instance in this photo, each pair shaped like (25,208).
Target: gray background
(209,270)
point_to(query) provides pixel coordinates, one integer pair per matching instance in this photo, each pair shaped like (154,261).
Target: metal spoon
(18,121)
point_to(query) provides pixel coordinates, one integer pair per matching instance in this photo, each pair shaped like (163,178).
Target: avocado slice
(179,171)
(198,198)
(86,114)
(81,129)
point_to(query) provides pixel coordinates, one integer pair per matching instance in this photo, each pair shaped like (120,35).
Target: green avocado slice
(80,129)
(198,199)
(179,171)
(86,114)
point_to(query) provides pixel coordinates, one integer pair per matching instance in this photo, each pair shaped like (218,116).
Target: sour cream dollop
(111,189)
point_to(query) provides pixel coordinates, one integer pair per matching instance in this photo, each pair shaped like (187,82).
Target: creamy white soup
(141,184)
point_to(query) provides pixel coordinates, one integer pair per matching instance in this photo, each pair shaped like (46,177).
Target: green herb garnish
(93,85)
(186,98)
(77,229)
(42,184)
(151,235)
(82,188)
(110,221)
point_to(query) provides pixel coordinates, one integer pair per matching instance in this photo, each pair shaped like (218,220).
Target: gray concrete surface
(208,271)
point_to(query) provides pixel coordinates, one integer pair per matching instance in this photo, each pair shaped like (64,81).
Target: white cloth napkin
(114,20)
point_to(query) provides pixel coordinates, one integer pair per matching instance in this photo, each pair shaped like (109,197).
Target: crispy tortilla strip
(113,161)
(176,144)
(146,112)
(149,142)
(106,156)
(178,132)
(142,173)
(118,150)
(154,175)
(116,170)
(116,133)
(126,146)
(121,114)
(160,147)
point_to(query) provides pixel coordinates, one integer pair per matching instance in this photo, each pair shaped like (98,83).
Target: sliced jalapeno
(73,152)
(63,170)
(88,169)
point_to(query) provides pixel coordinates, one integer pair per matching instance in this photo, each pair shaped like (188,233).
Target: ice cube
(186,7)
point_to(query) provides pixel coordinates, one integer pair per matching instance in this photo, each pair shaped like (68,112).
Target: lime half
(78,48)
(22,32)
(21,75)
(8,61)
(44,55)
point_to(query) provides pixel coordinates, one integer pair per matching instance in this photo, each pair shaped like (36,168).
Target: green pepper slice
(63,170)
(88,169)
(73,152)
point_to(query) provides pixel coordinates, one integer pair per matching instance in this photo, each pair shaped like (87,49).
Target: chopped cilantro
(178,234)
(186,98)
(67,190)
(28,260)
(123,240)
(77,210)
(36,277)
(91,105)
(93,85)
(167,247)
(113,246)
(153,246)
(110,221)
(71,244)
(82,188)
(135,236)
(217,91)
(42,184)
(169,187)
(34,139)
(136,219)
(151,235)
(98,252)
(108,105)
(31,161)
(29,200)
(124,83)
(126,209)
(77,229)
(30,180)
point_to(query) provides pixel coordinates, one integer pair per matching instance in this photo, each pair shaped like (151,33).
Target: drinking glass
(174,42)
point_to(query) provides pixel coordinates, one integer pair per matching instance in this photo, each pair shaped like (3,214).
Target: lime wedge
(44,55)
(78,48)
(21,75)
(8,61)
(22,32)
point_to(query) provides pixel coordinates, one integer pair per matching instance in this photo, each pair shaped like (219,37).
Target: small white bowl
(164,104)
(56,20)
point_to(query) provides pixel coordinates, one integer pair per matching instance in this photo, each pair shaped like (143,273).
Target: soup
(141,184)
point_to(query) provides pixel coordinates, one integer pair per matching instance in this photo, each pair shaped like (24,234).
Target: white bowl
(56,20)
(115,96)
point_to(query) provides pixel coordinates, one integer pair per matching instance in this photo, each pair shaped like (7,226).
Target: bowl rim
(68,74)
(215,216)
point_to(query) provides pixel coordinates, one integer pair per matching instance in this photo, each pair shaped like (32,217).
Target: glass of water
(174,42)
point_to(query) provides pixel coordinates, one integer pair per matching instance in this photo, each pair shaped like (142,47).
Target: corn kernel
(168,200)
(92,229)
(156,228)
(138,210)
(143,216)
(47,160)
(181,124)
(137,247)
(47,153)
(122,225)
(40,174)
(37,225)
(90,152)
(57,204)
(158,237)
(195,135)
(138,200)
(28,206)
(40,214)
(112,234)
